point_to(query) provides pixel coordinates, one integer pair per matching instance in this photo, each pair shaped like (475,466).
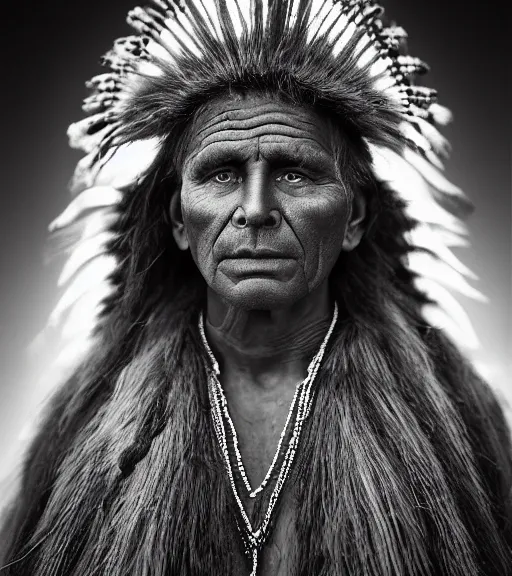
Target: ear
(355,226)
(178,226)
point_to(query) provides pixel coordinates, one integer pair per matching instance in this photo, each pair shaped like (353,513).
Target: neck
(266,345)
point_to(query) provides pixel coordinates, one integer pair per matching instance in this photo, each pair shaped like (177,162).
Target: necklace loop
(300,406)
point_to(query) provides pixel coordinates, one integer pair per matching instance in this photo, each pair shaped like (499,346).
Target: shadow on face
(264,207)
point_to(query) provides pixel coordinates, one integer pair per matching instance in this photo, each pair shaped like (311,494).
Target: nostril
(239,219)
(273,220)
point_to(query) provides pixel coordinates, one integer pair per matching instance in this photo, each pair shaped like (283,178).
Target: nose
(257,205)
(240,219)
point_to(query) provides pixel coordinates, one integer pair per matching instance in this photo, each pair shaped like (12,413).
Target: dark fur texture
(406,462)
(408,458)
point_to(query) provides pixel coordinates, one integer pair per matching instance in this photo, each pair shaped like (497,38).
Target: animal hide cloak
(404,469)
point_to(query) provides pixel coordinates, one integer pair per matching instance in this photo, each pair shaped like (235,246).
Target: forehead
(253,124)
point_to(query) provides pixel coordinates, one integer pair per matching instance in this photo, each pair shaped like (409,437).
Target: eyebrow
(208,159)
(309,155)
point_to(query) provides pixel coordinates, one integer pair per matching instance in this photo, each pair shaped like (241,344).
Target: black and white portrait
(256,318)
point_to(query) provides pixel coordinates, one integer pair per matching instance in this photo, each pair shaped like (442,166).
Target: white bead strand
(220,412)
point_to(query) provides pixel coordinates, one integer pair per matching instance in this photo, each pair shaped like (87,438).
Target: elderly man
(262,389)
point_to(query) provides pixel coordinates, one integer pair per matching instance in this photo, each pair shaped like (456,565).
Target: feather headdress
(337,54)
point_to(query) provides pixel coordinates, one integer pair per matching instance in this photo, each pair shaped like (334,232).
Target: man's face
(263,209)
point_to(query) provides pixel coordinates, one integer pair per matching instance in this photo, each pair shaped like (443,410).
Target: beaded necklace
(300,406)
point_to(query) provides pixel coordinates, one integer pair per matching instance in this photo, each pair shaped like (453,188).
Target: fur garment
(405,467)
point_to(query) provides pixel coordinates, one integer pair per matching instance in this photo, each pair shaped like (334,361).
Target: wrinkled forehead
(254,123)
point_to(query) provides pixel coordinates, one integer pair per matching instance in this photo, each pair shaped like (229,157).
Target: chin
(262,294)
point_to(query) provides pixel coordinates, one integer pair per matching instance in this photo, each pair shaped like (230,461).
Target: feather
(83,253)
(364,44)
(423,236)
(392,168)
(69,238)
(337,28)
(97,222)
(419,141)
(464,336)
(83,314)
(349,30)
(387,84)
(428,267)
(148,69)
(88,126)
(96,197)
(184,38)
(410,65)
(449,193)
(448,314)
(91,276)
(333,23)
(96,103)
(159,52)
(207,18)
(438,142)
(86,138)
(237,17)
(73,353)
(394,37)
(440,114)
(319,17)
(128,163)
(120,168)
(83,176)
(381,67)
(143,21)
(431,174)
(431,213)
(100,80)
(450,238)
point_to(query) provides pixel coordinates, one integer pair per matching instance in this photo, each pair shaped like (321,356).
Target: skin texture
(270,166)
(265,214)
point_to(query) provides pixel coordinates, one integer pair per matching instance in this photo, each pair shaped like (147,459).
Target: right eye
(225,177)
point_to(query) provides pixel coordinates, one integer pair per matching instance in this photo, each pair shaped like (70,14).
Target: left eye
(291,177)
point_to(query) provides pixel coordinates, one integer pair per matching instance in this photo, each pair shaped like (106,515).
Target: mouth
(260,264)
(260,254)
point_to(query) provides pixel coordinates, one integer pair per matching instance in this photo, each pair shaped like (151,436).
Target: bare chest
(277,556)
(261,421)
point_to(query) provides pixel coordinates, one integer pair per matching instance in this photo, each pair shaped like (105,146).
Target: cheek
(204,219)
(320,225)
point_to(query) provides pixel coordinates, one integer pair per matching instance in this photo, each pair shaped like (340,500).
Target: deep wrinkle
(237,113)
(255,304)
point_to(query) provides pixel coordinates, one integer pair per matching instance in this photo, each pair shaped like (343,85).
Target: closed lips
(256,254)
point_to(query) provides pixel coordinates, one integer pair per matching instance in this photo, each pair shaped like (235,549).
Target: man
(263,391)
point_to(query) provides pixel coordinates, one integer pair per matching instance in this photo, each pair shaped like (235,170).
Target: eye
(225,177)
(291,178)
